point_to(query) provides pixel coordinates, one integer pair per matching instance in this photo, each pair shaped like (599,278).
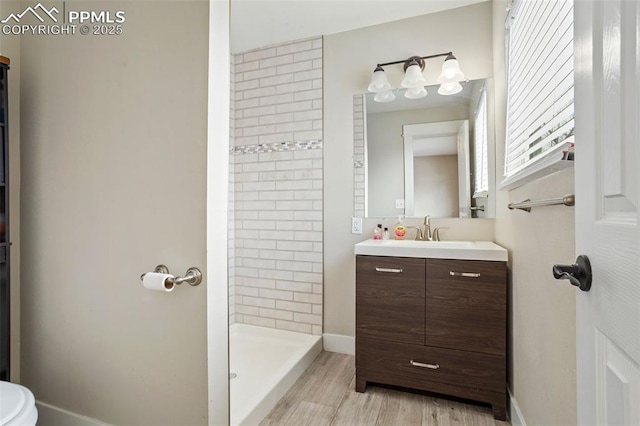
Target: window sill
(552,163)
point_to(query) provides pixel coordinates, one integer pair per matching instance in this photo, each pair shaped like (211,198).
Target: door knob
(578,274)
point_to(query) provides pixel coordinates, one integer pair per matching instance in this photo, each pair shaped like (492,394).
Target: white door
(217,202)
(607,64)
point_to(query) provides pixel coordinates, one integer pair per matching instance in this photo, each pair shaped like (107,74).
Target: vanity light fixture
(414,81)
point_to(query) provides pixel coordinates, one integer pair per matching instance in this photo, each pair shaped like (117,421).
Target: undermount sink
(464,250)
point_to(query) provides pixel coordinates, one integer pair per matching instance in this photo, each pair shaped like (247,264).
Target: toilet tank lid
(15,400)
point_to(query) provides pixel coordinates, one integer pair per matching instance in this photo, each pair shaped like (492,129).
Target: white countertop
(463,250)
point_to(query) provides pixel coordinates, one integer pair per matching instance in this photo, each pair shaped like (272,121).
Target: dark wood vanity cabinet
(433,324)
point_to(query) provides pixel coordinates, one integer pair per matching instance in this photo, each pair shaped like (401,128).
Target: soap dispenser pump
(400,230)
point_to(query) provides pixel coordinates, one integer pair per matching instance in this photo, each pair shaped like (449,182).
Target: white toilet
(17,405)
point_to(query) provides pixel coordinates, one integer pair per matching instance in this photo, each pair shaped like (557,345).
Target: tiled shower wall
(359,155)
(277,183)
(231,211)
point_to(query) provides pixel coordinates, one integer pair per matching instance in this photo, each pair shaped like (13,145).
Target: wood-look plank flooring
(325,395)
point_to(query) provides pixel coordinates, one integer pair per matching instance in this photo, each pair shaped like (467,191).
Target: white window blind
(481,154)
(540,114)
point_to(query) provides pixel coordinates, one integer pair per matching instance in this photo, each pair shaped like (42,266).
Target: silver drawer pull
(423,365)
(390,270)
(465,274)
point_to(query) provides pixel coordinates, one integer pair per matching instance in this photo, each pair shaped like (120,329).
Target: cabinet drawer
(390,298)
(420,366)
(467,305)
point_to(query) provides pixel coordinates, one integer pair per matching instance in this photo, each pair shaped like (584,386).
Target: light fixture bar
(421,57)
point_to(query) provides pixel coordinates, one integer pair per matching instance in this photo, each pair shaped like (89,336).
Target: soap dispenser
(400,230)
(377,232)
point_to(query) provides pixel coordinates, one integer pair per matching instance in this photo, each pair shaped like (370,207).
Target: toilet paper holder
(193,276)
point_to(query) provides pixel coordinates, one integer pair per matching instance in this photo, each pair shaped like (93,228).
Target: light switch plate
(356,225)
(399,204)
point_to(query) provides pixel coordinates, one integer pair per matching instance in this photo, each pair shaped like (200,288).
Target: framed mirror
(429,156)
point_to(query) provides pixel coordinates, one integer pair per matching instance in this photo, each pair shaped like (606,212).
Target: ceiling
(259,23)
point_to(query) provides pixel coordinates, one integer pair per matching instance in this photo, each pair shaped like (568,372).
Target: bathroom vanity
(433,316)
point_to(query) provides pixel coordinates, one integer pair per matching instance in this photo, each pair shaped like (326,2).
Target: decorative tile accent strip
(275,147)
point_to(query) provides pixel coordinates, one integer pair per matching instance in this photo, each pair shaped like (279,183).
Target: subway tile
(247,272)
(246,103)
(258,301)
(317,288)
(275,235)
(293,184)
(247,252)
(294,205)
(259,244)
(259,130)
(316,309)
(294,286)
(256,282)
(263,91)
(277,275)
(294,87)
(259,224)
(259,74)
(316,330)
(277,254)
(274,119)
(294,306)
(278,137)
(294,126)
(258,54)
(276,294)
(277,80)
(294,106)
(276,60)
(246,66)
(300,96)
(295,246)
(308,195)
(279,175)
(309,54)
(259,321)
(247,158)
(317,63)
(275,214)
(307,318)
(295,67)
(246,291)
(259,167)
(246,85)
(286,225)
(308,277)
(317,43)
(293,326)
(308,134)
(307,215)
(258,186)
(287,265)
(307,75)
(277,156)
(255,110)
(248,310)
(294,165)
(277,314)
(307,257)
(317,267)
(294,47)
(277,195)
(281,98)
(307,298)
(307,115)
(307,236)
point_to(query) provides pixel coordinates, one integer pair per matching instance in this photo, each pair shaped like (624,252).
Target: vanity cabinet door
(466,305)
(390,299)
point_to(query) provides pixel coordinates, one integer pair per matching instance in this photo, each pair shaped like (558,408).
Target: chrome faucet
(426,229)
(427,233)
(418,232)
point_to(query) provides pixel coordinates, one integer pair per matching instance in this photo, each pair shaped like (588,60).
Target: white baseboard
(48,415)
(517,419)
(339,343)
